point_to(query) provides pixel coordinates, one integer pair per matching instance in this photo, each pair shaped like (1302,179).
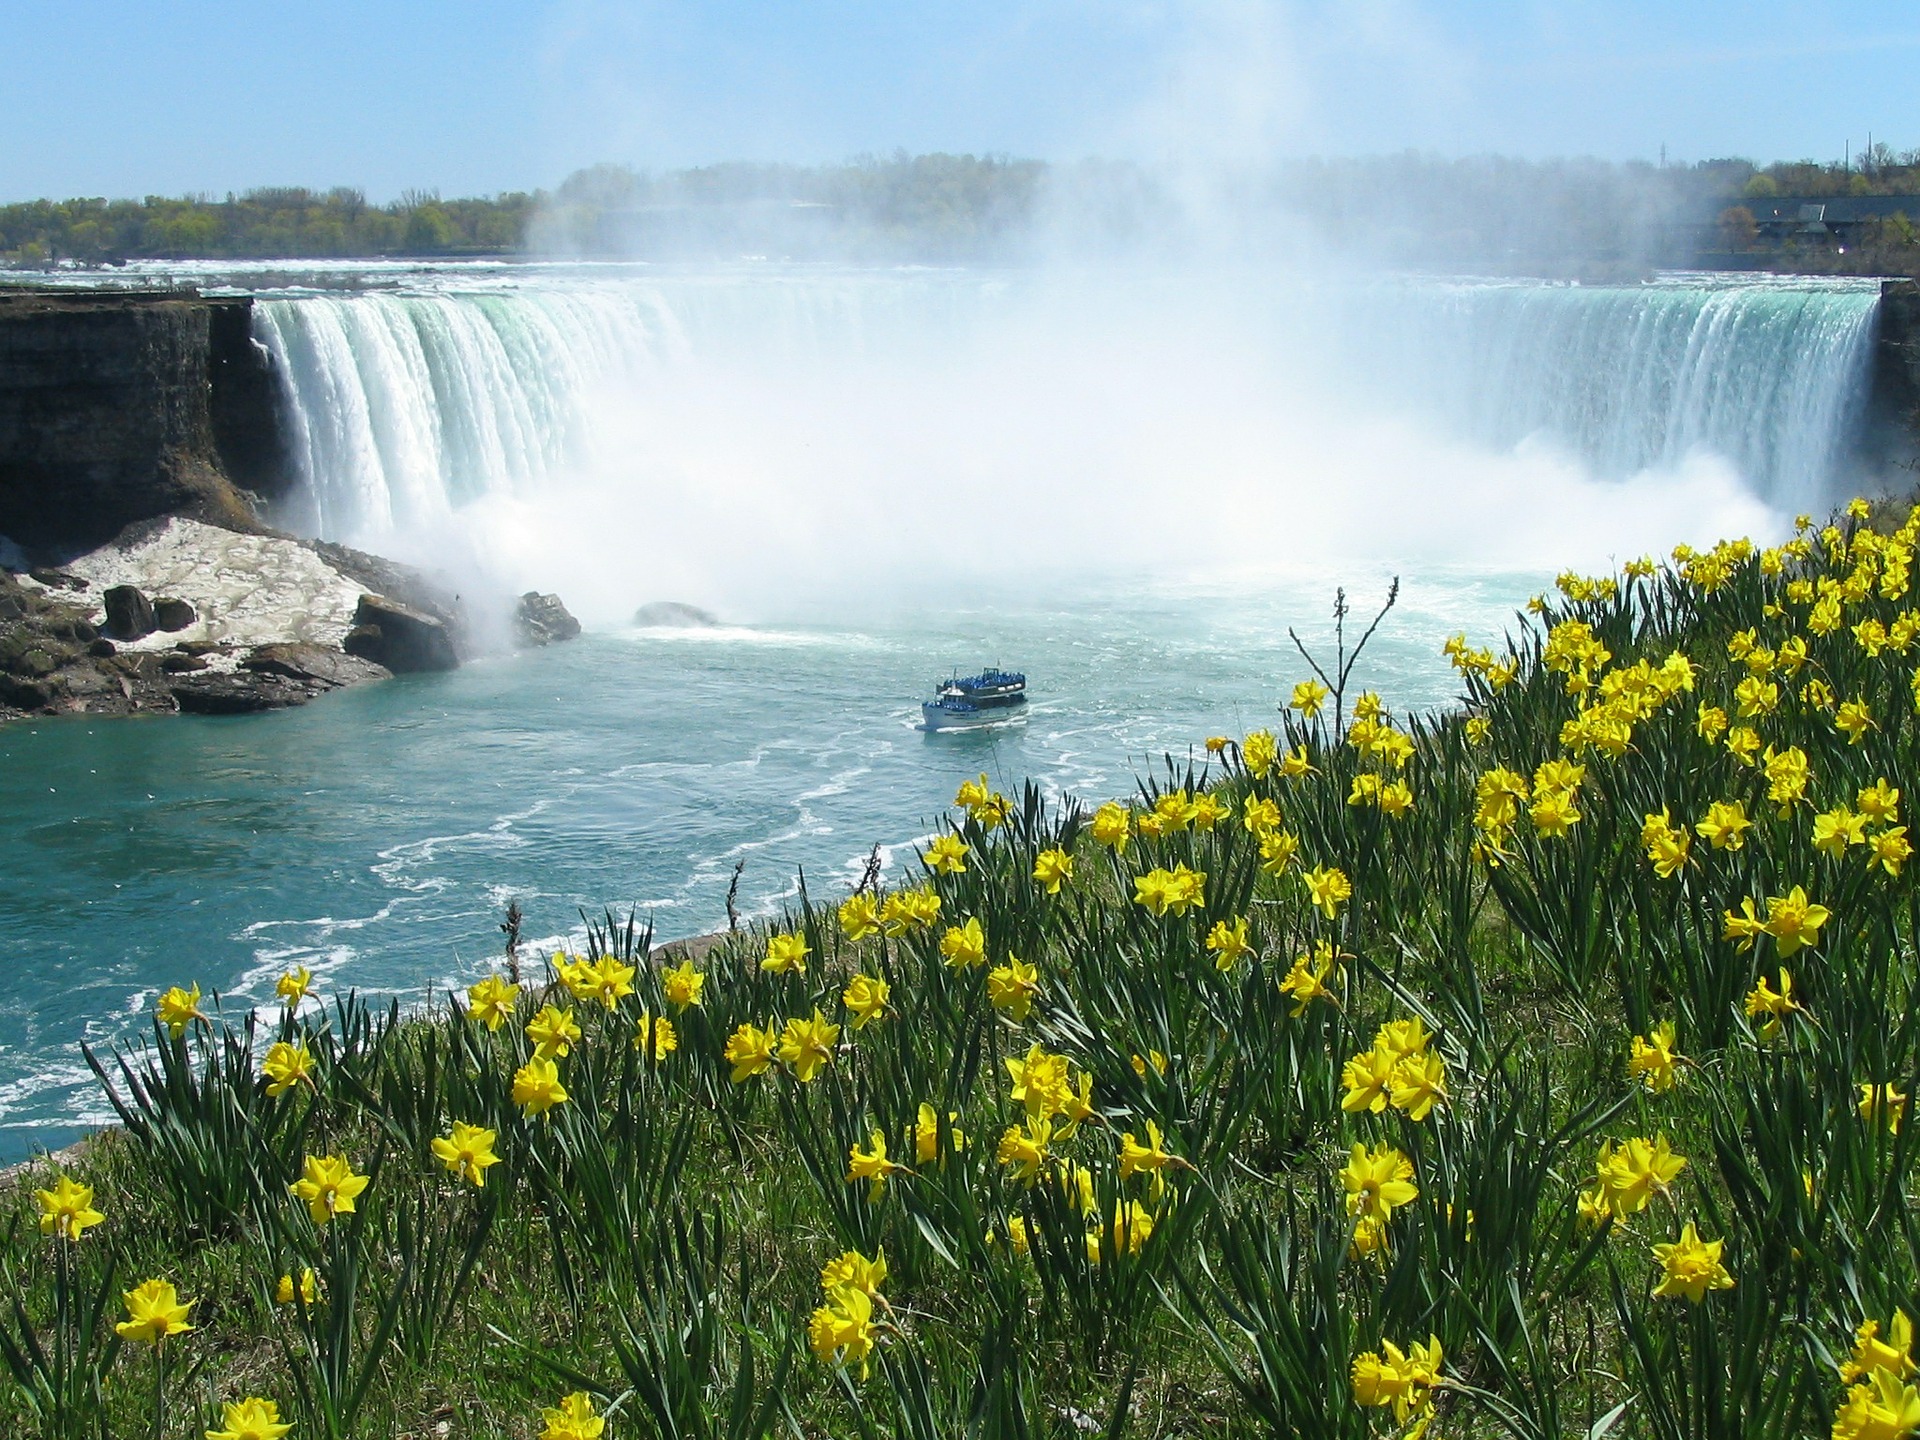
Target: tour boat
(966,701)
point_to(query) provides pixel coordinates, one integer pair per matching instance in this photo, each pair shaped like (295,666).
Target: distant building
(1838,218)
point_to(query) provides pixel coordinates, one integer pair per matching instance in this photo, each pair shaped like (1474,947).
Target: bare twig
(733,896)
(870,877)
(1343,662)
(511,929)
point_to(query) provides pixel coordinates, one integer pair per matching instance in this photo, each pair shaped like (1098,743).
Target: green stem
(159,1386)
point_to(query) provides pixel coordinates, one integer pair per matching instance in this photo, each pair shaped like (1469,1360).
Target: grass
(1331,1105)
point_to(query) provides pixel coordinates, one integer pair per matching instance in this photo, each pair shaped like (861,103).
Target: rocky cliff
(122,406)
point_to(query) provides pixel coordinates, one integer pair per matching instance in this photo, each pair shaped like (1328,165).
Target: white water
(812,423)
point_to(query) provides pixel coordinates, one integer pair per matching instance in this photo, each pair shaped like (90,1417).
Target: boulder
(129,613)
(671,613)
(102,648)
(314,665)
(236,694)
(403,639)
(178,664)
(542,620)
(24,693)
(173,615)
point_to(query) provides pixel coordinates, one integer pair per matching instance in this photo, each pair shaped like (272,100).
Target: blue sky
(170,96)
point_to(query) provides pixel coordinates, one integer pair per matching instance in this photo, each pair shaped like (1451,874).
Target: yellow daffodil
(682,985)
(1308,697)
(1794,921)
(309,1288)
(178,1009)
(859,916)
(865,998)
(1023,1148)
(329,1187)
(750,1051)
(926,1134)
(467,1152)
(1052,867)
(1769,1006)
(1228,942)
(1690,1267)
(786,954)
(292,987)
(573,1419)
(491,1001)
(1629,1177)
(154,1312)
(947,855)
(1884,1104)
(1313,977)
(1111,826)
(964,946)
(873,1166)
(66,1211)
(1725,825)
(553,1033)
(1378,1181)
(250,1419)
(1654,1060)
(807,1045)
(1893,1355)
(1880,1408)
(1328,889)
(285,1066)
(1011,988)
(536,1086)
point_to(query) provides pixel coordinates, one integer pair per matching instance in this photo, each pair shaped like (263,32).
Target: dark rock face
(542,620)
(405,640)
(313,665)
(173,615)
(415,589)
(1892,422)
(663,613)
(129,613)
(106,415)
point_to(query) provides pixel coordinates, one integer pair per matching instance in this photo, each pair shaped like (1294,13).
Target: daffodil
(1040,1082)
(536,1086)
(841,1331)
(1884,1104)
(807,1045)
(1893,1355)
(1328,889)
(1404,1380)
(655,1037)
(1011,988)
(292,987)
(1052,867)
(872,1165)
(1794,921)
(1632,1175)
(947,855)
(964,946)
(1880,1408)
(66,1211)
(1654,1060)
(786,954)
(1228,941)
(573,1419)
(608,980)
(1308,697)
(1139,1159)
(250,1419)
(1312,977)
(750,1051)
(1418,1083)
(178,1009)
(1690,1267)
(553,1032)
(865,998)
(1725,825)
(682,985)
(1111,826)
(285,1066)
(852,1269)
(1769,1006)
(1023,1148)
(491,1001)
(1257,752)
(926,1134)
(1378,1181)
(1368,1078)
(154,1312)
(859,916)
(329,1187)
(309,1288)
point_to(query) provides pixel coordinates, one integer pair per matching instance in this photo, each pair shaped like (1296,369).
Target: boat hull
(937,717)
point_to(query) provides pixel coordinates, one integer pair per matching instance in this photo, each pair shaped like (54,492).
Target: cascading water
(405,407)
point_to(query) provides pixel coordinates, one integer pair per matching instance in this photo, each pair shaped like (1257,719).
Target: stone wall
(117,407)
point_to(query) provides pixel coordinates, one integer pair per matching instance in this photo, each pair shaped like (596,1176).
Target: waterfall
(403,407)
(1771,374)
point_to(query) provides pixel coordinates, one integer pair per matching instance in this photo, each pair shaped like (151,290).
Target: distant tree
(429,230)
(1761,187)
(1737,228)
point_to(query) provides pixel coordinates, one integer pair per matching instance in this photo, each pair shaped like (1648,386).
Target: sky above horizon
(114,98)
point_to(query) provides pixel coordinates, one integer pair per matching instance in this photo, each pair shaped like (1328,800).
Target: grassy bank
(1536,1069)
